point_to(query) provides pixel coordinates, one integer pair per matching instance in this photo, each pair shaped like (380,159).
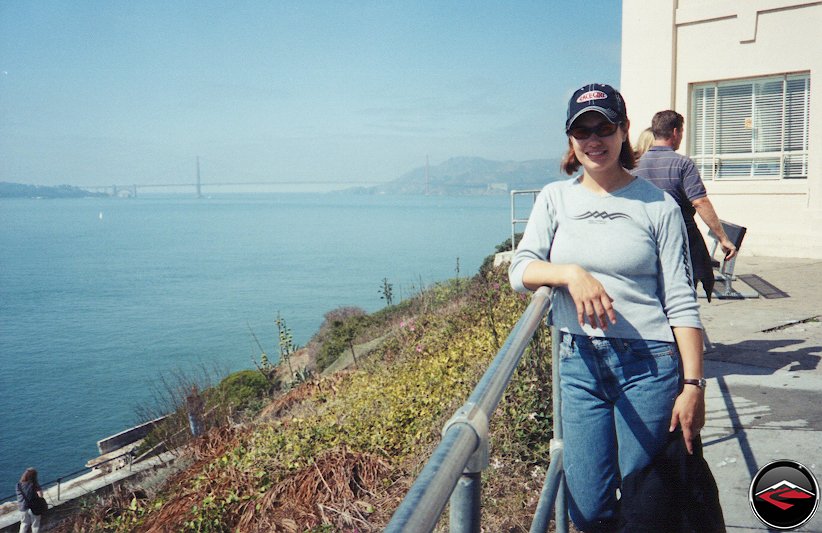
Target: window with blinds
(751,129)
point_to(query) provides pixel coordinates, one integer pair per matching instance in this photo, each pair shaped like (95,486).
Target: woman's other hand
(689,413)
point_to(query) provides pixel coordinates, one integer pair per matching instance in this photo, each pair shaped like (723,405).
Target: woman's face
(600,150)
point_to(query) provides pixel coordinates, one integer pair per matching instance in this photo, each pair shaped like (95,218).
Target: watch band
(701,382)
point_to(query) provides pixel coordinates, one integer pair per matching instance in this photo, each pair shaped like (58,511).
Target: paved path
(764,398)
(80,486)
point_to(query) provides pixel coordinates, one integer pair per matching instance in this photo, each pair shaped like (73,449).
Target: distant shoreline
(21,190)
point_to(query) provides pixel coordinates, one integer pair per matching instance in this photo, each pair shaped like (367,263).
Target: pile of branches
(342,488)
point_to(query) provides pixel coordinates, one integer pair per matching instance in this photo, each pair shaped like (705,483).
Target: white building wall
(668,45)
(648,45)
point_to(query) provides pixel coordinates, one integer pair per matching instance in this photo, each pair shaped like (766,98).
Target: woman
(644,143)
(613,246)
(27,489)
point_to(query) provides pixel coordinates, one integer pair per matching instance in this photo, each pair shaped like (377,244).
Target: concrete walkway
(764,397)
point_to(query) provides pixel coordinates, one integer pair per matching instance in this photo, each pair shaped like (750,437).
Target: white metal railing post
(513,222)
(514,219)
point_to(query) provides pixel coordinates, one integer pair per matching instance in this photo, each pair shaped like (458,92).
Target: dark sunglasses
(603,129)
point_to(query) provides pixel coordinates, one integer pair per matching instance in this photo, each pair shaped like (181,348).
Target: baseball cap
(596,97)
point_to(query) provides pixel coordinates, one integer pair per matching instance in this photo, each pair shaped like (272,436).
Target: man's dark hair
(664,123)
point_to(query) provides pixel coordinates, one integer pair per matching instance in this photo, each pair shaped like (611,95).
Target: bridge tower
(199,190)
(427,178)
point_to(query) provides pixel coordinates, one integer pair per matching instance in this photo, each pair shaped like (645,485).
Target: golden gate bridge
(197,188)
(130,190)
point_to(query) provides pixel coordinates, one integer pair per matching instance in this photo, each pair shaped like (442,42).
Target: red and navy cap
(596,97)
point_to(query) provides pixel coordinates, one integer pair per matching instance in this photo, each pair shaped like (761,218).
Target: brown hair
(29,476)
(664,123)
(570,164)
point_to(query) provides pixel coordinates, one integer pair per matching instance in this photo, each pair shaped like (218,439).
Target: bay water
(101,297)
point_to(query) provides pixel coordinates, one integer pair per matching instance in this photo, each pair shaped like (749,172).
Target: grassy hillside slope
(338,453)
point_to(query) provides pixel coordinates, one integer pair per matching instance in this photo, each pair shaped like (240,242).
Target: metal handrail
(455,466)
(554,480)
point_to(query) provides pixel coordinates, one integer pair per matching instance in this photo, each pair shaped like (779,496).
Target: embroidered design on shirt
(601,215)
(686,259)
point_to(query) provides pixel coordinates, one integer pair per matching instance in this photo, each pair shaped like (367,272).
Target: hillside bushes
(244,390)
(345,448)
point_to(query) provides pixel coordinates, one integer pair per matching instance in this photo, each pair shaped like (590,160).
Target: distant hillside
(472,175)
(21,190)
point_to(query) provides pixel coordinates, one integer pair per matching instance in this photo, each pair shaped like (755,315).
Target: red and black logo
(784,494)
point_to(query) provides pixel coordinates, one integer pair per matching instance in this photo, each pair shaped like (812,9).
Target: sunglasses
(603,129)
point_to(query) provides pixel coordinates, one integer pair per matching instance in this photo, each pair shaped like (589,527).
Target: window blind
(751,129)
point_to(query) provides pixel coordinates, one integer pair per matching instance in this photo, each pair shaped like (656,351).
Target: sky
(352,92)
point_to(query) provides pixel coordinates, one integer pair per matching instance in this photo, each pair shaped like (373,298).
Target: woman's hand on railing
(590,298)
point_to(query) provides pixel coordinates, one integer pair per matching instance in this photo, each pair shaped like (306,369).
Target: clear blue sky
(102,92)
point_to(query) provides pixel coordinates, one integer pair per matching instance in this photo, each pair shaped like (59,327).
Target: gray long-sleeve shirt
(632,240)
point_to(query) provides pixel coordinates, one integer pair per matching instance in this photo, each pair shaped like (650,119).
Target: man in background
(678,176)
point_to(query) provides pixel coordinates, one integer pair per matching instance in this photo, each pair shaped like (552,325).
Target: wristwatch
(701,382)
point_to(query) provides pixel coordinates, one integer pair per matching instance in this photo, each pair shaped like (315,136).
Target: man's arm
(708,215)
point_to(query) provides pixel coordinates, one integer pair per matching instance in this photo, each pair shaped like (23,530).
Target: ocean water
(101,297)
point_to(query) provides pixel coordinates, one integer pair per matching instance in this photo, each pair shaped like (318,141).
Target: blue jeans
(617,400)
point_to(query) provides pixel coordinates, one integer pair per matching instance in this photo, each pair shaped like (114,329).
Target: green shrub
(244,389)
